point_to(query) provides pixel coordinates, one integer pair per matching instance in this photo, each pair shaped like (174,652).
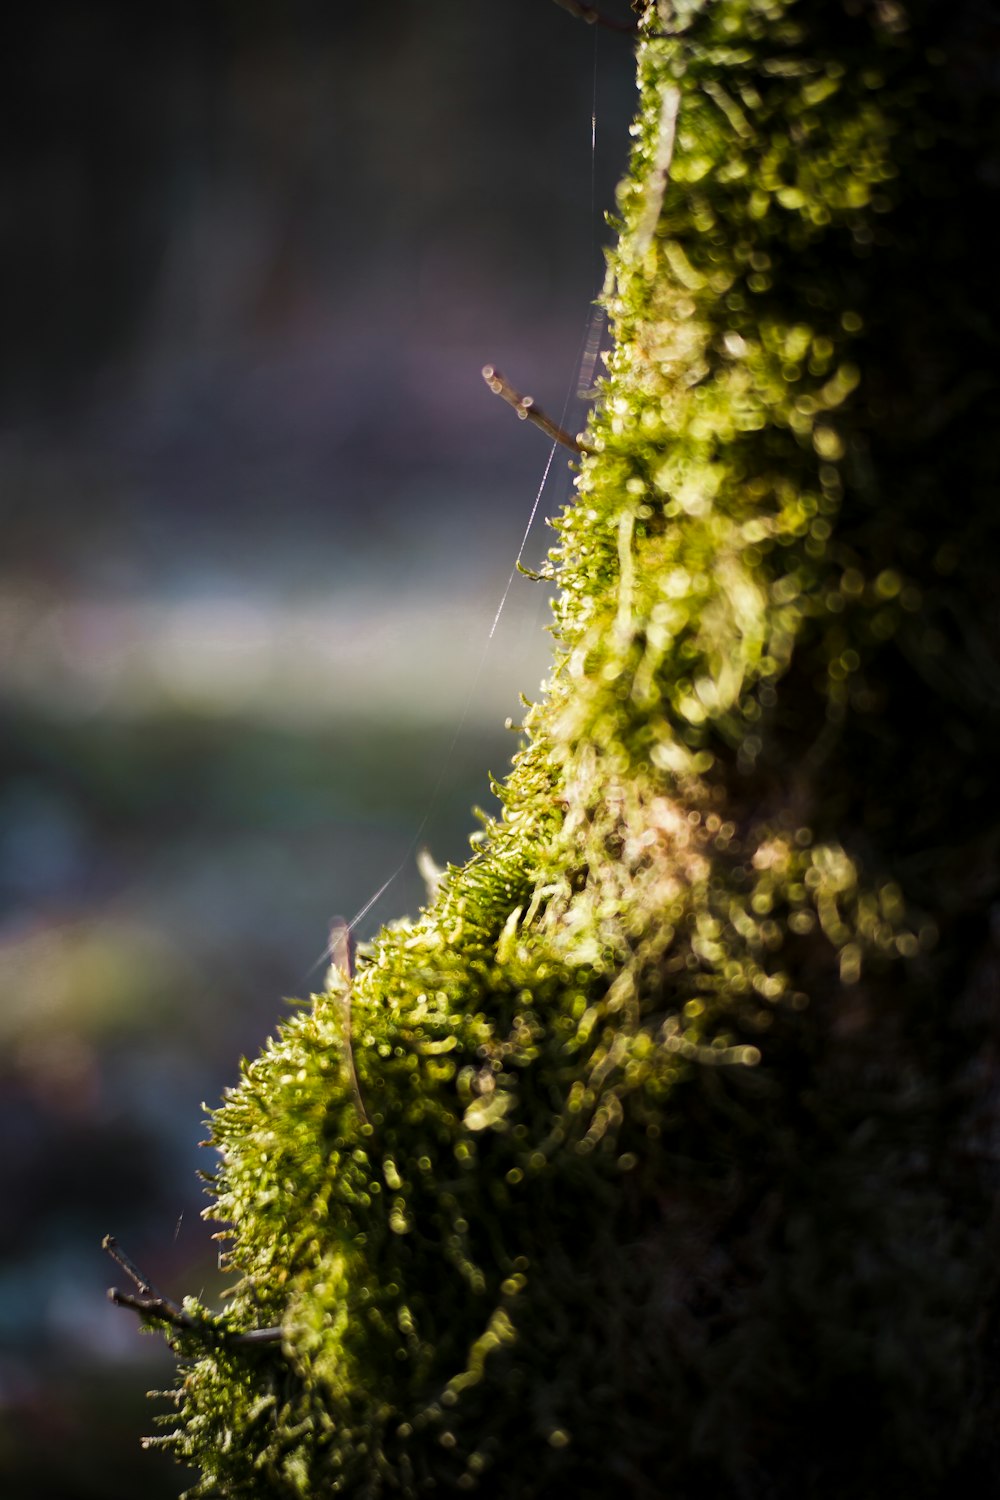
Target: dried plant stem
(527,410)
(150,1303)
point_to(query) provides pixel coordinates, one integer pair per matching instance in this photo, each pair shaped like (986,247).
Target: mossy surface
(654,1157)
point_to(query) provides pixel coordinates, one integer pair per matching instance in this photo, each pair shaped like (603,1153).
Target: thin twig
(149,1303)
(527,410)
(595,18)
(149,1299)
(256,1336)
(164,1309)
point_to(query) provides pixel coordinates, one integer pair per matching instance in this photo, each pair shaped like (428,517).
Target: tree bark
(678,1160)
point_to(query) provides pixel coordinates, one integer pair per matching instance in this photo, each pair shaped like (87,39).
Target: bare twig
(163,1309)
(595,18)
(528,411)
(255,1336)
(149,1303)
(148,1300)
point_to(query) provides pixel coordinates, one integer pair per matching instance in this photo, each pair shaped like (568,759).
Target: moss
(647,1160)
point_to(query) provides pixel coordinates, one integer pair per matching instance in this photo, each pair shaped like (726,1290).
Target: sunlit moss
(636,1166)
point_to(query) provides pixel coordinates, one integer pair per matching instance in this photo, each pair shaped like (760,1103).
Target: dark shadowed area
(259,511)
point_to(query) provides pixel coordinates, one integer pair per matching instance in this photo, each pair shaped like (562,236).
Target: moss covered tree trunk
(658,1157)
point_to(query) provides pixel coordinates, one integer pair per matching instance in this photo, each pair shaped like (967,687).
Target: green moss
(644,1161)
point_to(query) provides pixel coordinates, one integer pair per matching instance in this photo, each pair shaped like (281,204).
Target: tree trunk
(658,1157)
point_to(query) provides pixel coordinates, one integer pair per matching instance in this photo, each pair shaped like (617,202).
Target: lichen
(643,1160)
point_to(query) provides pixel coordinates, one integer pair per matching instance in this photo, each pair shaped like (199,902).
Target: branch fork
(154,1305)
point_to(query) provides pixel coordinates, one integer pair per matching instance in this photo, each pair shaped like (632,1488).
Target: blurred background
(258,512)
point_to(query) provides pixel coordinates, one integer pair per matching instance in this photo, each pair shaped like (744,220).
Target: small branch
(255,1336)
(149,1303)
(594,17)
(149,1299)
(163,1309)
(528,411)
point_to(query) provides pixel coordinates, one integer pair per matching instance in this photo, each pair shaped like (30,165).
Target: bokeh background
(258,510)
